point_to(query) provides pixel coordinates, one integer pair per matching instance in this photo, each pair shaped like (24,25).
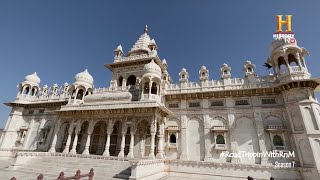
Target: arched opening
(249,69)
(183,76)
(33,91)
(120,81)
(220,139)
(146,88)
(225,72)
(144,137)
(98,138)
(80,94)
(131,80)
(292,60)
(26,91)
(127,141)
(173,138)
(82,137)
(114,139)
(62,136)
(154,88)
(282,63)
(203,74)
(277,140)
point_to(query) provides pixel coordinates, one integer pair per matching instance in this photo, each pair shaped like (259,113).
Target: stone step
(57,170)
(51,166)
(73,160)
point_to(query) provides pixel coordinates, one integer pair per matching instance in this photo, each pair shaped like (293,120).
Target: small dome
(248,62)
(65,84)
(283,41)
(119,48)
(33,78)
(203,67)
(164,61)
(183,70)
(225,65)
(152,68)
(152,42)
(84,77)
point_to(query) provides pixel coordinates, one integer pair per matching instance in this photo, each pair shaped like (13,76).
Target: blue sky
(58,39)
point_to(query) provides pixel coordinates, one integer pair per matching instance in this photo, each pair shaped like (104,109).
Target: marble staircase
(50,166)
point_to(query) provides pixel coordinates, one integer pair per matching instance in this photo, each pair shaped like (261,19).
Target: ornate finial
(146,29)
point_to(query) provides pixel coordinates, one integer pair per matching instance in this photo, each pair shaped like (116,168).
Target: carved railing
(218,85)
(43,98)
(77,176)
(131,58)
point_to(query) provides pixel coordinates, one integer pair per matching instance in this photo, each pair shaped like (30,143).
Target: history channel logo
(287,35)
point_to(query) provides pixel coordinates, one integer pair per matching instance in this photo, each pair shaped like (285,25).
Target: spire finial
(146,29)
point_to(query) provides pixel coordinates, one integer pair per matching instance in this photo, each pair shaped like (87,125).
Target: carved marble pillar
(261,135)
(75,141)
(70,131)
(132,133)
(90,129)
(153,131)
(123,139)
(160,153)
(55,136)
(109,131)
(233,142)
(207,138)
(184,153)
(142,144)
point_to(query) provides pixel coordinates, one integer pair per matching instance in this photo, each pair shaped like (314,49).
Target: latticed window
(242,102)
(277,140)
(268,101)
(174,105)
(194,104)
(220,139)
(217,103)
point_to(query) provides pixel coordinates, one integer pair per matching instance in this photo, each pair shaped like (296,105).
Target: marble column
(153,130)
(55,136)
(109,131)
(67,147)
(184,153)
(130,154)
(75,141)
(107,147)
(160,153)
(54,142)
(152,146)
(133,131)
(142,144)
(261,135)
(90,129)
(233,143)
(123,140)
(207,138)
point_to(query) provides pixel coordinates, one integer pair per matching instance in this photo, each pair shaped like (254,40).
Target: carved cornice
(37,105)
(298,84)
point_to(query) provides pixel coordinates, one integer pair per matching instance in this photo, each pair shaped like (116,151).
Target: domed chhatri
(84,77)
(152,69)
(32,78)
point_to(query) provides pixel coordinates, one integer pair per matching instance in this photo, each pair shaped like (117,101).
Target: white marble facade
(144,115)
